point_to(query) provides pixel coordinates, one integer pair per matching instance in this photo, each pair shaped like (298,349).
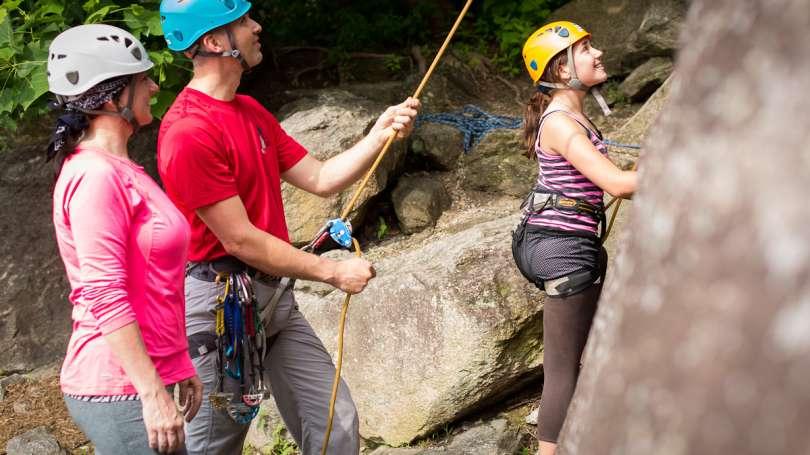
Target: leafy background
(27,28)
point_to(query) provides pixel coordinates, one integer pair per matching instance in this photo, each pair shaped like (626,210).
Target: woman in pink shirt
(124,246)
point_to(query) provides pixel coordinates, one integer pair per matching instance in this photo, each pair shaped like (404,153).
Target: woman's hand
(191,391)
(164,423)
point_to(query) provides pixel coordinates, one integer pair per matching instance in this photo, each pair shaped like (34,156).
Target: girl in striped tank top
(557,244)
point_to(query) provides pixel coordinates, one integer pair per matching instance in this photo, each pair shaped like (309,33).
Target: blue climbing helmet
(185,21)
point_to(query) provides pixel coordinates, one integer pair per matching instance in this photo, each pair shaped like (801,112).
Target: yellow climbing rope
(347,210)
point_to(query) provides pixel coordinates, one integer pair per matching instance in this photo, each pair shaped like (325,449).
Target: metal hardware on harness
(240,343)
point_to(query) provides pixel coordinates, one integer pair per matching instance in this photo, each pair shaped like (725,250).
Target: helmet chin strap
(577,84)
(233,53)
(125,112)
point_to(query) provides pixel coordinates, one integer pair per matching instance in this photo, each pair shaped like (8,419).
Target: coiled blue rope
(475,124)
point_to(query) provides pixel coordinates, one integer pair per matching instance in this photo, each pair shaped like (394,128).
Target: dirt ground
(37,402)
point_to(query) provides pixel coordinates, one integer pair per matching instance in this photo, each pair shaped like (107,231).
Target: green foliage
(495,29)
(382,228)
(613,93)
(28,26)
(280,444)
(508,23)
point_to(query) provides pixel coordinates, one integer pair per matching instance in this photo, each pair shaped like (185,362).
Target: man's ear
(211,42)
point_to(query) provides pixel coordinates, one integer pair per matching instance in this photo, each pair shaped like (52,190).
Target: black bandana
(74,122)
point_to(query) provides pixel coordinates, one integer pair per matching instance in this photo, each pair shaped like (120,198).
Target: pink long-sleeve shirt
(124,247)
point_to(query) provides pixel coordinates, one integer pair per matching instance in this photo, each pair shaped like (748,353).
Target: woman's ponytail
(531,121)
(70,128)
(539,102)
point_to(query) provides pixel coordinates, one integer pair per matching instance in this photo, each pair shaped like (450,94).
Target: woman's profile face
(145,88)
(588,62)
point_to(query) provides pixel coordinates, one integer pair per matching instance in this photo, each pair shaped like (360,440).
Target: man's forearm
(276,257)
(342,170)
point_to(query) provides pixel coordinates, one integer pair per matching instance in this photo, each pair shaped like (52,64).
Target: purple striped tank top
(557,175)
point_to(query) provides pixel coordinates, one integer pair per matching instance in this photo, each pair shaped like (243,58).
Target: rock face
(645,79)
(497,165)
(328,125)
(657,35)
(34,309)
(419,200)
(439,145)
(628,31)
(487,438)
(444,329)
(701,290)
(635,129)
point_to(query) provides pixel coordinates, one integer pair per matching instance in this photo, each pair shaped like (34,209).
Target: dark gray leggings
(566,323)
(114,428)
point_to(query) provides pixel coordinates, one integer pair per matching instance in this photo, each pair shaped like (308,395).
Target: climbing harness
(340,235)
(542,199)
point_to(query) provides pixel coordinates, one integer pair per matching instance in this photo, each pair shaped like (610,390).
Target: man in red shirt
(222,157)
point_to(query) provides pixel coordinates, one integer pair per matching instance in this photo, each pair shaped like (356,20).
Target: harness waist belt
(208,270)
(542,200)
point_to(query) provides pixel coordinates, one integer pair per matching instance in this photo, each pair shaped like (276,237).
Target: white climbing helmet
(83,56)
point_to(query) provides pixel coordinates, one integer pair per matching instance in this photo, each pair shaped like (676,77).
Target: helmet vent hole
(73,77)
(103,38)
(136,52)
(61,56)
(48,73)
(229,4)
(178,34)
(127,42)
(115,38)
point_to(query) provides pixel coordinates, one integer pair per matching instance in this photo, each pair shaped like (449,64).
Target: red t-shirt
(210,150)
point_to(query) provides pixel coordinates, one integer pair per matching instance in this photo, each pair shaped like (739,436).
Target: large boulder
(497,165)
(445,329)
(628,31)
(658,33)
(700,344)
(327,125)
(440,146)
(646,79)
(419,201)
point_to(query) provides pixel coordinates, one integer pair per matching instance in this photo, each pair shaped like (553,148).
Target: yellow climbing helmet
(548,41)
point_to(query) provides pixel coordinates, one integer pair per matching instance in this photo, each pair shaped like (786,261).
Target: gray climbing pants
(299,370)
(115,427)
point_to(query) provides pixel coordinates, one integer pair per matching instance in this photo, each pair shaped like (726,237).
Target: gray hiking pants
(298,368)
(115,427)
